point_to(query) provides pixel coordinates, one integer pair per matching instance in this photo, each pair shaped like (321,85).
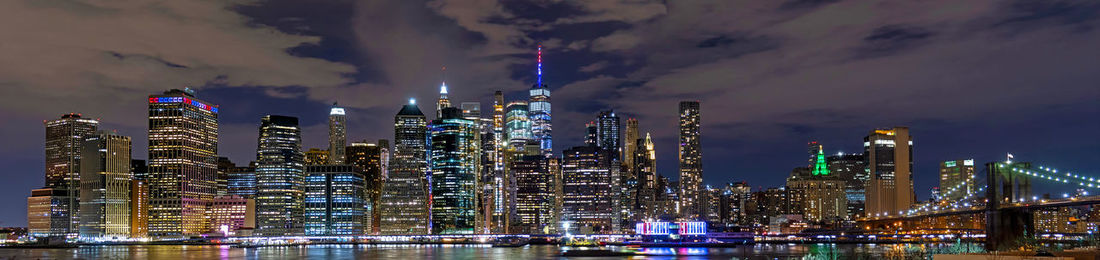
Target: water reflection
(409,252)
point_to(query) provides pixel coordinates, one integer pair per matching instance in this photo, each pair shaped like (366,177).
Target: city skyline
(756,138)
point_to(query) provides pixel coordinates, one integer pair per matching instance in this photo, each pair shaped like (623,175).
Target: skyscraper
(404,196)
(336,200)
(280,177)
(539,112)
(645,174)
(889,154)
(591,134)
(455,166)
(691,160)
(337,134)
(630,143)
(851,169)
(957,179)
(373,159)
(609,133)
(590,190)
(317,156)
(241,181)
(64,148)
(534,193)
(105,186)
(183,148)
(517,125)
(443,102)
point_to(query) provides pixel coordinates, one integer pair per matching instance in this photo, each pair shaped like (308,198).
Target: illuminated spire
(538,84)
(820,167)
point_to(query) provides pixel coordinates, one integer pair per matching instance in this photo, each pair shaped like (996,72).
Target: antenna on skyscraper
(538,84)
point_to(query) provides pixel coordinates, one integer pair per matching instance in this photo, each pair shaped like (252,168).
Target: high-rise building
(48,213)
(590,190)
(337,134)
(630,143)
(539,112)
(316,156)
(444,101)
(645,174)
(280,177)
(534,193)
(691,160)
(139,170)
(105,186)
(498,129)
(64,148)
(405,195)
(517,124)
(851,169)
(957,179)
(889,154)
(336,201)
(591,134)
(823,194)
(455,166)
(139,208)
(183,148)
(609,133)
(222,178)
(373,158)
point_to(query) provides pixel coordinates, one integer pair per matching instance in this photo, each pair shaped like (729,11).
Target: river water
(409,252)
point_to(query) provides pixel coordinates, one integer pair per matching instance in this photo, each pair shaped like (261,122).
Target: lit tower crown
(444,102)
(820,167)
(539,110)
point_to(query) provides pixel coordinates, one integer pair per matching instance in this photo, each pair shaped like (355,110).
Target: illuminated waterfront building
(534,193)
(851,168)
(336,201)
(47,213)
(183,148)
(539,112)
(280,177)
(105,186)
(590,192)
(316,156)
(691,160)
(455,166)
(228,214)
(64,148)
(374,159)
(889,155)
(337,134)
(517,124)
(959,176)
(405,195)
(139,208)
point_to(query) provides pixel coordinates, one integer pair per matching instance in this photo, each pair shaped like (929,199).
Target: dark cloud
(891,39)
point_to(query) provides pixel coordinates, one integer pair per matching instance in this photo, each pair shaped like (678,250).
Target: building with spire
(538,108)
(821,195)
(337,134)
(404,206)
(444,101)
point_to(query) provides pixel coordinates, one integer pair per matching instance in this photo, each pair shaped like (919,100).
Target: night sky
(972,79)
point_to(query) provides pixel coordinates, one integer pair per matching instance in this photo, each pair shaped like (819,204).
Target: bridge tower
(1005,227)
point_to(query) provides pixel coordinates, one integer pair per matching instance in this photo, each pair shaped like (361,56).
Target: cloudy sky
(973,79)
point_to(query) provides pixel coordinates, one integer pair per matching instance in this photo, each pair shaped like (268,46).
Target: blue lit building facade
(455,164)
(183,148)
(337,201)
(538,111)
(517,125)
(280,177)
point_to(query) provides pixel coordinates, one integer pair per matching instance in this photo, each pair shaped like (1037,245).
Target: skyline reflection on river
(406,252)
